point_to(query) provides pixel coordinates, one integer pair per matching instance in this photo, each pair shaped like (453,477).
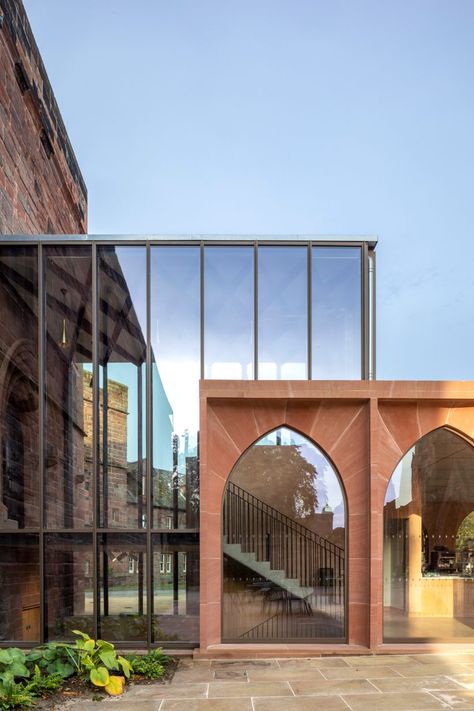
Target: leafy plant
(53,658)
(95,659)
(13,664)
(150,665)
(43,684)
(13,695)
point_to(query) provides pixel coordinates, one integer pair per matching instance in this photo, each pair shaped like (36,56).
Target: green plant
(95,659)
(53,658)
(150,665)
(13,664)
(41,684)
(13,695)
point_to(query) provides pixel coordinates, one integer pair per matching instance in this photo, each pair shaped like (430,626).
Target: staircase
(280,549)
(263,569)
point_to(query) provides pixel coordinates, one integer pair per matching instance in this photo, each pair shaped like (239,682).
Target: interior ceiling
(446,464)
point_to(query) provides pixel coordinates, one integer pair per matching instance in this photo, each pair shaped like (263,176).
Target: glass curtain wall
(282,313)
(68,488)
(19,442)
(337,313)
(175,295)
(101,350)
(229,312)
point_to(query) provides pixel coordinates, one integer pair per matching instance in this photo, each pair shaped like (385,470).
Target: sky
(321,117)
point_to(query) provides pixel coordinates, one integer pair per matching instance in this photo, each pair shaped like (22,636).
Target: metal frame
(308,640)
(367,245)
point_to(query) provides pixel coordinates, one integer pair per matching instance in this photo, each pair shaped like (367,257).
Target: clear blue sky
(287,116)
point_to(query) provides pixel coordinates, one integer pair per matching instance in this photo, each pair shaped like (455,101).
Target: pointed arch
(303,437)
(284,533)
(430,493)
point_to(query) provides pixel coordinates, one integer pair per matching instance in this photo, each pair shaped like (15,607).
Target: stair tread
(263,567)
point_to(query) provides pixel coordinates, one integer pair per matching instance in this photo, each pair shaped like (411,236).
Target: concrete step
(263,568)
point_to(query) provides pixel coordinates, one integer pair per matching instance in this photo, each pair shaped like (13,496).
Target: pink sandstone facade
(364,428)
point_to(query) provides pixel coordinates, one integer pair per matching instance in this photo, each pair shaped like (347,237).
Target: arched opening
(284,523)
(429,542)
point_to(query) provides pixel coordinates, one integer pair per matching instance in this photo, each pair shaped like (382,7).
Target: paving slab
(199,674)
(316,663)
(208,705)
(331,687)
(465,680)
(168,691)
(454,657)
(363,672)
(462,699)
(293,674)
(302,703)
(382,660)
(251,689)
(118,705)
(444,669)
(394,702)
(416,683)
(234,674)
(244,663)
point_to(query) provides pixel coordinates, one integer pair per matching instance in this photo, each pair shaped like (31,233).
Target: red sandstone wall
(41,186)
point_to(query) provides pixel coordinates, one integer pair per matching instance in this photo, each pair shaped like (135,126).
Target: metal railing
(287,545)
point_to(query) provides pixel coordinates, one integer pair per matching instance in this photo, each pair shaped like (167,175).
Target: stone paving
(359,683)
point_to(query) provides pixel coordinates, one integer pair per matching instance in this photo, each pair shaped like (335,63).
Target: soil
(75,689)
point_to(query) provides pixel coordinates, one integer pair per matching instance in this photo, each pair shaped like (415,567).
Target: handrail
(287,545)
(303,530)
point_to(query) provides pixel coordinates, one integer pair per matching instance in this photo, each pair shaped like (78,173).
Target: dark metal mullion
(41,443)
(95,442)
(201,305)
(309,371)
(255,310)
(373,307)
(364,315)
(149,455)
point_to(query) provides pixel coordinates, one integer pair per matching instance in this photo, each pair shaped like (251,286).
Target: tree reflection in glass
(284,543)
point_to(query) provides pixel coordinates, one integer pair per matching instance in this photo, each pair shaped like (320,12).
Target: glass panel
(68,579)
(68,391)
(284,544)
(228,312)
(176,587)
(122,359)
(19,481)
(175,341)
(336,296)
(19,583)
(123,611)
(429,542)
(282,313)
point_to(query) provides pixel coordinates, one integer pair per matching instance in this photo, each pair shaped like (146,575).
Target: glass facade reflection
(337,313)
(102,347)
(283,544)
(68,581)
(228,312)
(175,588)
(19,580)
(19,418)
(68,489)
(122,325)
(429,542)
(283,313)
(176,358)
(123,597)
